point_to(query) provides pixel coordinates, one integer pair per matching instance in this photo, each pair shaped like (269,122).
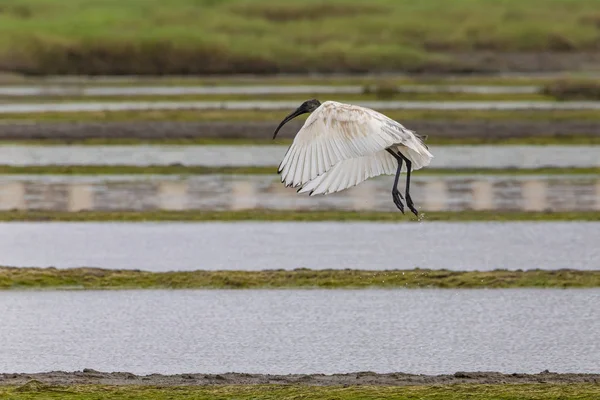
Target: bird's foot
(397,197)
(411,205)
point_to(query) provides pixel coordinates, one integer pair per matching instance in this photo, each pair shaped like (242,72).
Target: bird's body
(341,145)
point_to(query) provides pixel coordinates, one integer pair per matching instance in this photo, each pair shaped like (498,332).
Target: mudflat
(93,377)
(256,130)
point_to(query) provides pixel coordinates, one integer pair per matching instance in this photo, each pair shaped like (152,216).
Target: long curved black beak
(299,111)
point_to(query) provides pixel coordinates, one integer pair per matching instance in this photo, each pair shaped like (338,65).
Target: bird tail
(422,138)
(417,151)
(418,159)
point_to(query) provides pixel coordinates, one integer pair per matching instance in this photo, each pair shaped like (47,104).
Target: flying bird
(341,145)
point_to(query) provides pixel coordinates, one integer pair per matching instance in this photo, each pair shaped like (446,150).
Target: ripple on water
(164,246)
(311,331)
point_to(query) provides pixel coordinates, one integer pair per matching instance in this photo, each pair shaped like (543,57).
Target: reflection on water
(226,192)
(310,331)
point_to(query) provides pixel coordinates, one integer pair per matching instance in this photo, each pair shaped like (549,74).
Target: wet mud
(89,376)
(148,130)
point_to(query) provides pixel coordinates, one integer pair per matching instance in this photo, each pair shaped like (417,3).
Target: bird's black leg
(396,195)
(409,201)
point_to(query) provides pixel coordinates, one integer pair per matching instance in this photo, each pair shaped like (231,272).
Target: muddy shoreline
(148,130)
(93,377)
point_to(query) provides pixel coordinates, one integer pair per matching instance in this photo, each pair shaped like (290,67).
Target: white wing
(351,172)
(335,132)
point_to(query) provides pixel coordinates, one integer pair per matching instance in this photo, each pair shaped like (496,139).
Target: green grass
(276,116)
(96,278)
(567,139)
(201,170)
(284,97)
(264,36)
(380,89)
(579,391)
(290,215)
(204,141)
(573,90)
(303,79)
(538,140)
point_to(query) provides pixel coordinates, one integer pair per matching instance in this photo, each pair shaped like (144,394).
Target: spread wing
(335,132)
(351,172)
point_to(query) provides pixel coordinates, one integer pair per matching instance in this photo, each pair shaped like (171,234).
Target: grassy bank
(290,215)
(550,90)
(201,170)
(95,278)
(365,80)
(275,116)
(575,139)
(347,98)
(191,36)
(580,391)
(559,90)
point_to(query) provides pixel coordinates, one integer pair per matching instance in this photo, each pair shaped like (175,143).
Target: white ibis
(340,145)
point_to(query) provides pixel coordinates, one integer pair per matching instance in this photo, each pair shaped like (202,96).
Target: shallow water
(227,192)
(291,331)
(271,155)
(169,246)
(15,108)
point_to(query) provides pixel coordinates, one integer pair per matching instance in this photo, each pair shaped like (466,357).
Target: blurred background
(148,110)
(147,105)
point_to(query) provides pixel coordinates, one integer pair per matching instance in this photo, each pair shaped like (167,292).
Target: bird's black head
(307,107)
(310,105)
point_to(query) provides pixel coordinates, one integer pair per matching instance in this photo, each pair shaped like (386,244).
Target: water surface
(312,331)
(235,192)
(271,155)
(16,108)
(169,246)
